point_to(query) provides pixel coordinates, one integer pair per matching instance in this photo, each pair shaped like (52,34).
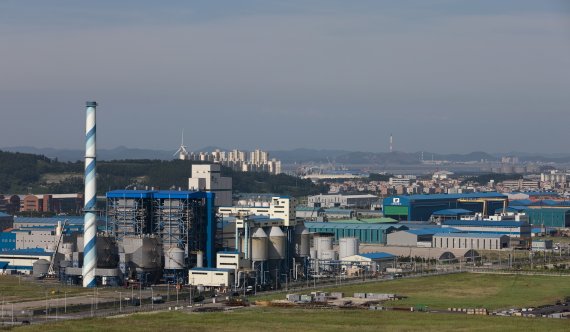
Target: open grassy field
(273,319)
(466,290)
(16,289)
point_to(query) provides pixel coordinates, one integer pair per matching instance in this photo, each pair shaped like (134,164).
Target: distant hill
(22,172)
(293,156)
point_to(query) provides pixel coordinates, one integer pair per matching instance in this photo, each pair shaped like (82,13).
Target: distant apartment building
(258,160)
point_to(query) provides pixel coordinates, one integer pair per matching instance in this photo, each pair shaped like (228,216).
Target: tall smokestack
(90,226)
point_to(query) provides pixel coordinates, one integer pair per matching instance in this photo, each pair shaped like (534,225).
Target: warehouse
(366,233)
(476,241)
(22,260)
(421,207)
(416,237)
(450,214)
(549,217)
(517,229)
(340,200)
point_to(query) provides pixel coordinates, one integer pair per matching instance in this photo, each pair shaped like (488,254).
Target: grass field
(273,319)
(15,289)
(466,290)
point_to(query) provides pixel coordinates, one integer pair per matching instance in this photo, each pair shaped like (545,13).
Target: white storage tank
(348,246)
(277,243)
(323,243)
(302,241)
(259,245)
(174,259)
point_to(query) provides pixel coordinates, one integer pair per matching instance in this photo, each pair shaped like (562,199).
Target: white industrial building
(372,262)
(351,201)
(280,207)
(208,178)
(211,277)
(416,237)
(476,241)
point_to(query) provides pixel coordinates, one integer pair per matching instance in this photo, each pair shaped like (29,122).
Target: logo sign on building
(396,201)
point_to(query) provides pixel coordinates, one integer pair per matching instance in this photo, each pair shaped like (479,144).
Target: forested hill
(22,173)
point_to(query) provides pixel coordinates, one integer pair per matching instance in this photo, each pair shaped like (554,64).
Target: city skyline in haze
(441,76)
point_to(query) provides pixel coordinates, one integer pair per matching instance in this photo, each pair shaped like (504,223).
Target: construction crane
(51,270)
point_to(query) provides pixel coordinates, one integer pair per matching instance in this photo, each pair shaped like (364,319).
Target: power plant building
(366,233)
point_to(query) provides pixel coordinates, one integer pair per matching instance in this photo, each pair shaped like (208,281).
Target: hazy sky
(441,75)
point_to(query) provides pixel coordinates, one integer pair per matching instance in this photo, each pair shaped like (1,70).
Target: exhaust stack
(90,225)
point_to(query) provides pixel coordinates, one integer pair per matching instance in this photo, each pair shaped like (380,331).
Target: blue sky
(442,76)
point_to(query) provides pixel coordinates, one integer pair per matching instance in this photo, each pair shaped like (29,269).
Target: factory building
(421,207)
(280,207)
(211,277)
(515,229)
(208,178)
(310,213)
(557,217)
(22,261)
(475,241)
(366,233)
(421,237)
(344,201)
(159,233)
(450,214)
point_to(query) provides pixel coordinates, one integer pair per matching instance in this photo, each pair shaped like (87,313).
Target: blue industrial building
(421,207)
(182,219)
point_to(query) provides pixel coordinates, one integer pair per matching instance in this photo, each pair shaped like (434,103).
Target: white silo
(259,246)
(302,241)
(277,244)
(323,243)
(174,259)
(348,246)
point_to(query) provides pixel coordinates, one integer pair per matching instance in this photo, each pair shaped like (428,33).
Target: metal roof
(431,231)
(452,212)
(485,223)
(377,255)
(71,220)
(233,252)
(450,196)
(345,225)
(27,252)
(211,269)
(130,194)
(475,235)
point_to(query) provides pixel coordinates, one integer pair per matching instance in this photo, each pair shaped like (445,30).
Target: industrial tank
(174,259)
(302,241)
(348,247)
(322,243)
(277,243)
(200,259)
(259,246)
(40,268)
(328,255)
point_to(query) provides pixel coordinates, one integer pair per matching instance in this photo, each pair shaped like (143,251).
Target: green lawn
(467,290)
(273,319)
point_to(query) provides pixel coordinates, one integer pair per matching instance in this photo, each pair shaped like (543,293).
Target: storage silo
(349,246)
(302,241)
(174,259)
(277,243)
(323,243)
(40,268)
(259,246)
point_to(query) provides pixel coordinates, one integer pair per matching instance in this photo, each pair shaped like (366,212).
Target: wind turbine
(182,152)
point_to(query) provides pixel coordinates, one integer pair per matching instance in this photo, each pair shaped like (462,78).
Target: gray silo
(277,244)
(259,246)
